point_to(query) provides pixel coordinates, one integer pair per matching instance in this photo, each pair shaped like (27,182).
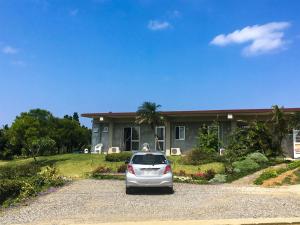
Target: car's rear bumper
(165,180)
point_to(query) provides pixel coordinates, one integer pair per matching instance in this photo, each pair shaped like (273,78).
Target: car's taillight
(167,169)
(130,169)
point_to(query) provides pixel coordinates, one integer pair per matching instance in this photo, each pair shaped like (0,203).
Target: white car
(149,169)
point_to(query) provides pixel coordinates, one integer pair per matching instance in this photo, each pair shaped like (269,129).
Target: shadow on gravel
(151,191)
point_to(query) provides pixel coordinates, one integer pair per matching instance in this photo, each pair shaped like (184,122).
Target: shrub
(209,174)
(271,173)
(198,176)
(9,189)
(122,168)
(182,173)
(257,157)
(294,165)
(6,154)
(219,178)
(245,165)
(50,177)
(23,170)
(118,157)
(101,169)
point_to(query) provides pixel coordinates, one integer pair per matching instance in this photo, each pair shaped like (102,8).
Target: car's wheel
(170,190)
(128,190)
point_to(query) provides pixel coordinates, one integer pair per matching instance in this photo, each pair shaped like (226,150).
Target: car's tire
(129,190)
(170,190)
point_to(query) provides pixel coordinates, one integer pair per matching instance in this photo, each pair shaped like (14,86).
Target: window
(149,159)
(160,138)
(132,138)
(180,132)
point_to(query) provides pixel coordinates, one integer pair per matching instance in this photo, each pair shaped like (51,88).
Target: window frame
(179,138)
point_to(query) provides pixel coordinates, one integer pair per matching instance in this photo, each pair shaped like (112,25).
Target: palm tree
(148,113)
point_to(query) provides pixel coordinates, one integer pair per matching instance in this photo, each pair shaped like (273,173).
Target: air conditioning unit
(113,150)
(175,151)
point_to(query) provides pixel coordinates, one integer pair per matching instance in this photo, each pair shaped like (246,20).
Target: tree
(41,146)
(279,129)
(294,121)
(5,152)
(148,114)
(76,117)
(38,132)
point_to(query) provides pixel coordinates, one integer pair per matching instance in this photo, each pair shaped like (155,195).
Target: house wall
(98,136)
(147,135)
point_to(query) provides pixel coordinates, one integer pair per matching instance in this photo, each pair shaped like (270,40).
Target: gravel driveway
(94,201)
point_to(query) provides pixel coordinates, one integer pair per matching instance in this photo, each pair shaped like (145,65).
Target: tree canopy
(38,132)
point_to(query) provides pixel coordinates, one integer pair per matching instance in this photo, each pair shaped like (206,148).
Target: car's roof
(153,153)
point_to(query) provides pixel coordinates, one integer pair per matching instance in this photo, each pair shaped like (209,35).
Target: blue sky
(111,55)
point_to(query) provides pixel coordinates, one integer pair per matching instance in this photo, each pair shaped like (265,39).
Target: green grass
(79,165)
(191,169)
(70,165)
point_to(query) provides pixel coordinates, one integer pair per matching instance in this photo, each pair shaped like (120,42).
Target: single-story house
(118,130)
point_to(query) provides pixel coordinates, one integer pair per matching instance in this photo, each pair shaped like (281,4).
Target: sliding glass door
(132,138)
(160,138)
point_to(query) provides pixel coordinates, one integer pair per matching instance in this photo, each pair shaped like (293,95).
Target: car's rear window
(149,159)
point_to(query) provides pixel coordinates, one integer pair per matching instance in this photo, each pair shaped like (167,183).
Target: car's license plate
(149,172)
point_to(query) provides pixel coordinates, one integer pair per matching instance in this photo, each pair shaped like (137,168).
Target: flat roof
(191,113)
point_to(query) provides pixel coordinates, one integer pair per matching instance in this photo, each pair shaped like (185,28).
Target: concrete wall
(147,135)
(98,136)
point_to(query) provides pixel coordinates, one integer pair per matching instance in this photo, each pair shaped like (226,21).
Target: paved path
(248,180)
(95,201)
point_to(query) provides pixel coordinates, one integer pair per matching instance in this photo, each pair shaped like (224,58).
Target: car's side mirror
(127,161)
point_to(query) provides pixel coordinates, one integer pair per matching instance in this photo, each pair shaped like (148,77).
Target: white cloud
(263,38)
(74,12)
(156,25)
(9,50)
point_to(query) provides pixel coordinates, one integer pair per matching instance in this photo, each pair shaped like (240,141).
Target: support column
(110,134)
(168,137)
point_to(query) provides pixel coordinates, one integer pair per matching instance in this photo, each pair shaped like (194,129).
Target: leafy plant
(258,157)
(218,178)
(9,189)
(122,168)
(118,157)
(245,165)
(148,113)
(101,169)
(271,173)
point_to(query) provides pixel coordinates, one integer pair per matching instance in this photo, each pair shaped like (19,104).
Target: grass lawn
(78,165)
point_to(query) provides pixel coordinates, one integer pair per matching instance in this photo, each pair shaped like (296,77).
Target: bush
(198,176)
(257,157)
(101,169)
(209,174)
(122,168)
(23,170)
(49,176)
(199,156)
(118,157)
(294,165)
(265,176)
(219,178)
(6,154)
(9,189)
(245,165)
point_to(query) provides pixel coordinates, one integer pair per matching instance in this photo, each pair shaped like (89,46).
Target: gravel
(92,201)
